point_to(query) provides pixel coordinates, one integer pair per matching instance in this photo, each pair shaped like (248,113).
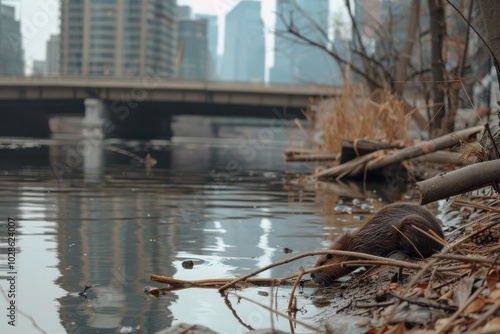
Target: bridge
(146,102)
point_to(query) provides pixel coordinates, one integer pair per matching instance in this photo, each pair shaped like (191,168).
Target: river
(87,211)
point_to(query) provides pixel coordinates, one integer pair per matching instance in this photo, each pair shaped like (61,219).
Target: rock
(349,324)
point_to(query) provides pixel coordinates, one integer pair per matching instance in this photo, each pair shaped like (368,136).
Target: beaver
(381,236)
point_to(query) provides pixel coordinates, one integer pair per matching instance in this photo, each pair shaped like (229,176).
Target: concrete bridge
(142,107)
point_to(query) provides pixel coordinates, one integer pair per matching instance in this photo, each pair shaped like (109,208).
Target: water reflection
(92,215)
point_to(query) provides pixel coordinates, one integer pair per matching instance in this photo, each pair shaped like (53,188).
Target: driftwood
(311,157)
(442,157)
(460,181)
(218,282)
(379,159)
(353,149)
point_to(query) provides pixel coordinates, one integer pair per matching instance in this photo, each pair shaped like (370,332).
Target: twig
(465,258)
(483,317)
(217,282)
(461,309)
(382,260)
(420,302)
(277,312)
(235,314)
(472,27)
(292,293)
(33,322)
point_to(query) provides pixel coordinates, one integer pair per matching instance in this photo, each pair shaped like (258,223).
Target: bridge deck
(160,90)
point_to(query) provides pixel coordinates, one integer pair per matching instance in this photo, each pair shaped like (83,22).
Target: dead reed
(355,114)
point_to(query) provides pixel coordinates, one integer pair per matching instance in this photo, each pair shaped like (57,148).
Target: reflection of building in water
(110,236)
(111,244)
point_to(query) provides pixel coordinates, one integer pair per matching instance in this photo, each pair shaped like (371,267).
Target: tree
(390,66)
(437,29)
(489,11)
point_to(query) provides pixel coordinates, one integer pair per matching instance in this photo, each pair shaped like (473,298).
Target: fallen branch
(218,282)
(442,157)
(311,157)
(224,283)
(460,181)
(378,160)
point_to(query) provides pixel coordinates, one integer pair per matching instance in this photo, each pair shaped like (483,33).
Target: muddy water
(88,212)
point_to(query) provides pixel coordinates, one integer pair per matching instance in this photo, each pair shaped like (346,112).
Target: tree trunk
(437,26)
(411,36)
(490,11)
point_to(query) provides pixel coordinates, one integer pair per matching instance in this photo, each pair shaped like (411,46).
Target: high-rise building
(52,56)
(118,38)
(244,47)
(39,68)
(193,49)
(11,49)
(213,38)
(184,12)
(295,62)
(282,70)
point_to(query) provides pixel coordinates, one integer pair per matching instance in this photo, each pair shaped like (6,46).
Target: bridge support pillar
(95,110)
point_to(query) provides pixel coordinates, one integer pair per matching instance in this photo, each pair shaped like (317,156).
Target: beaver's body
(382,235)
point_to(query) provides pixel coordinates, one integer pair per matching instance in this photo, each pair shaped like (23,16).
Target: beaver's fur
(381,236)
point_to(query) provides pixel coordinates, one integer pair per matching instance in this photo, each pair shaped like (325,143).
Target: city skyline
(41,18)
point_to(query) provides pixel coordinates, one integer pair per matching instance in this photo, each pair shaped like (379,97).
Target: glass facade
(120,38)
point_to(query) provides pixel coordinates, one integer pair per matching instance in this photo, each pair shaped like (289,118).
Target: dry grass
(356,115)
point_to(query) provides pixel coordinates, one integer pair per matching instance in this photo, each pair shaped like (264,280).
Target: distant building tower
(39,68)
(213,38)
(11,50)
(293,61)
(244,47)
(118,38)
(282,70)
(193,49)
(52,56)
(184,12)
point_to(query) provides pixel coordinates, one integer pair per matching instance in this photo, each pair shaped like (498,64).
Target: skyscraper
(193,49)
(213,38)
(118,38)
(244,47)
(52,56)
(294,61)
(11,50)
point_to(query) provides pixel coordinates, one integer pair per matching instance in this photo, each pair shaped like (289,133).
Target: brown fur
(380,236)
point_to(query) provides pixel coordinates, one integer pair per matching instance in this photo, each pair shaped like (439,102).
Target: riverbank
(455,291)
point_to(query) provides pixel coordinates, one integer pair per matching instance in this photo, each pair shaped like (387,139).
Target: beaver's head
(327,275)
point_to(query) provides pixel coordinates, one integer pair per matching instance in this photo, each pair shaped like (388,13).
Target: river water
(87,211)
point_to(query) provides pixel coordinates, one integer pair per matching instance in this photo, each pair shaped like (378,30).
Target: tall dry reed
(356,115)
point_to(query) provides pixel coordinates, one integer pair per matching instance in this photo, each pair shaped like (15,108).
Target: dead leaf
(492,325)
(475,306)
(492,279)
(463,291)
(495,294)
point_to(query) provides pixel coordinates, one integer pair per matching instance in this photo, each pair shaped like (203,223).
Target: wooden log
(425,147)
(378,160)
(312,157)
(442,157)
(459,181)
(353,149)
(218,282)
